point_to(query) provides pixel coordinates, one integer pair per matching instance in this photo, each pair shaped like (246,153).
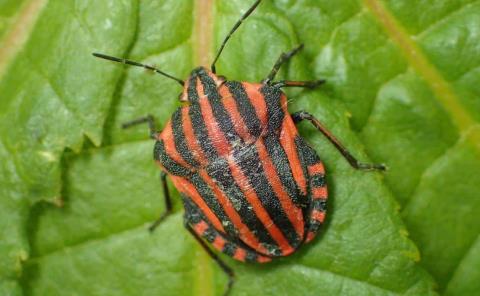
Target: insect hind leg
(196,220)
(225,268)
(196,223)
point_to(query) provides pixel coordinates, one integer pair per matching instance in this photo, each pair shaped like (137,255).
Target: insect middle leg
(301,115)
(163,176)
(168,203)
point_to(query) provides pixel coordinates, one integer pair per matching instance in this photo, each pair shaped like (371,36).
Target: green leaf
(53,94)
(8,15)
(401,87)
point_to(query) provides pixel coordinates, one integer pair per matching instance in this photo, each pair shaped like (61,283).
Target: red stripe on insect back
(283,103)
(287,140)
(200,227)
(259,210)
(319,193)
(310,236)
(317,215)
(219,242)
(244,232)
(258,100)
(191,192)
(317,168)
(240,254)
(215,133)
(294,213)
(170,148)
(190,138)
(230,105)
(263,259)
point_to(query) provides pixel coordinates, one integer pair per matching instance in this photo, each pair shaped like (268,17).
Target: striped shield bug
(252,188)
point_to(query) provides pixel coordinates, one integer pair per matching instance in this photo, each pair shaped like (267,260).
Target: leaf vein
(416,58)
(444,19)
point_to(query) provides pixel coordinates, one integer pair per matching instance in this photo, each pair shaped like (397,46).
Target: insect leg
(307,84)
(168,203)
(145,119)
(284,57)
(301,115)
(226,269)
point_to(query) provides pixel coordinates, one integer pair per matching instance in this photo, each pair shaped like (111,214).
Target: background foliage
(77,192)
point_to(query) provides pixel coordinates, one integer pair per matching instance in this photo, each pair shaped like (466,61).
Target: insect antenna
(132,63)
(239,22)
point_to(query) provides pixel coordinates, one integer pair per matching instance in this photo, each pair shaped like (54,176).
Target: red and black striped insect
(250,184)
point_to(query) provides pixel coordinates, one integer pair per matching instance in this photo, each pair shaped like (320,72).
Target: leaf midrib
(450,102)
(203,36)
(19,31)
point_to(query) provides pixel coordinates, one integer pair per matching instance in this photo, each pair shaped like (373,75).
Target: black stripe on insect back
(317,180)
(222,117)
(245,107)
(220,172)
(306,153)
(229,248)
(192,89)
(208,196)
(272,96)
(282,166)
(200,131)
(218,168)
(203,189)
(319,204)
(195,113)
(160,154)
(249,161)
(193,215)
(179,139)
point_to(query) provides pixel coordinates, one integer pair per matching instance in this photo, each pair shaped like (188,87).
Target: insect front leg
(307,84)
(283,58)
(168,203)
(145,119)
(301,115)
